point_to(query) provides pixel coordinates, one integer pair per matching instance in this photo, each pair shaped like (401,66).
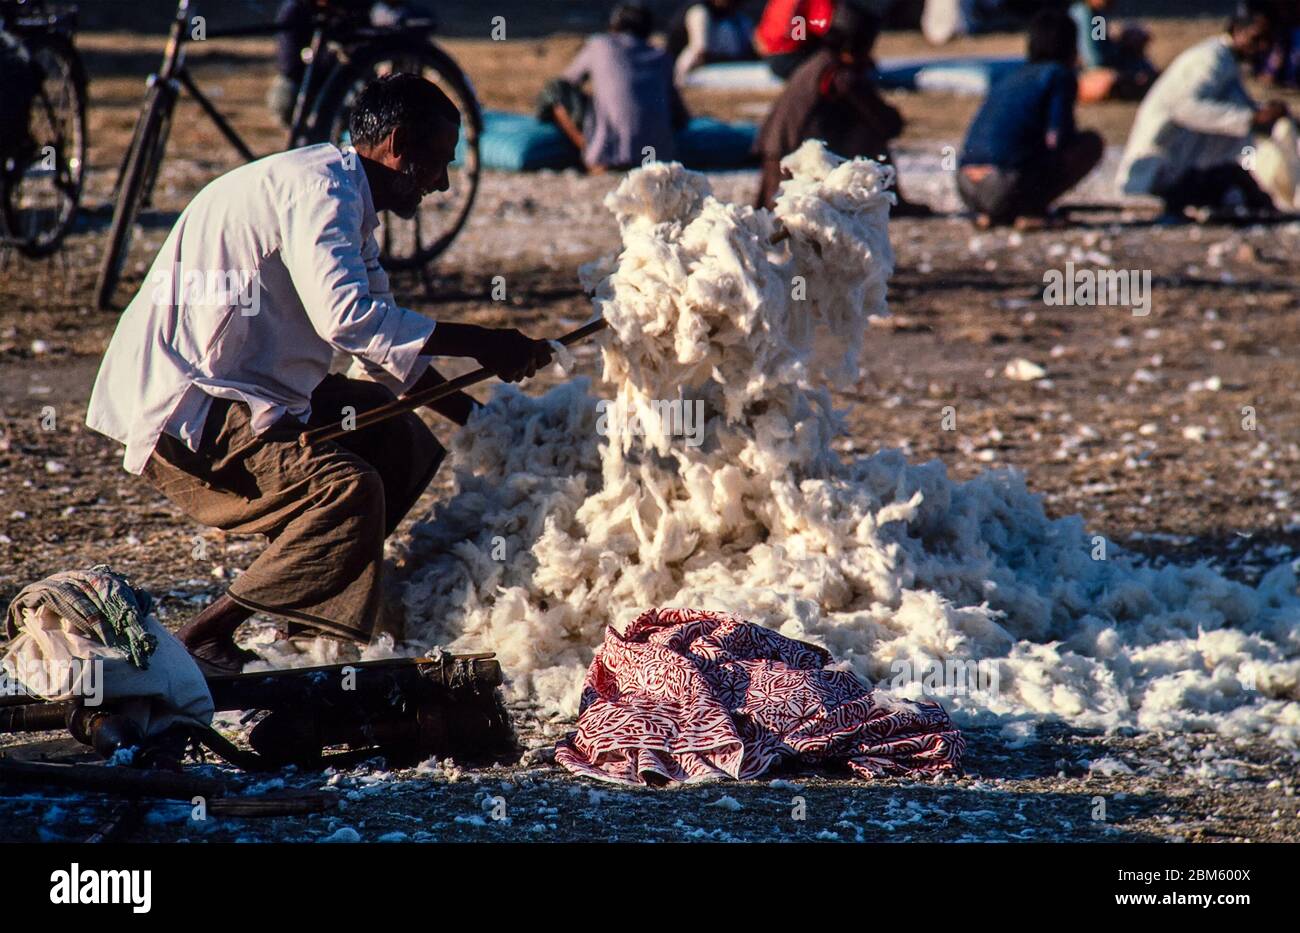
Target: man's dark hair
(398,100)
(1053,37)
(1246,12)
(633,19)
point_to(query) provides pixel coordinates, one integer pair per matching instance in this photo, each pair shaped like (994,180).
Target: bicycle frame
(174,72)
(37,24)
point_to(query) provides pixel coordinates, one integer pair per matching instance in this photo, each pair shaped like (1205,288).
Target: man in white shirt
(223,357)
(1191,133)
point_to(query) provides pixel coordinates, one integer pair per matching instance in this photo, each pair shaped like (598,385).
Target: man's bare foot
(220,656)
(210,637)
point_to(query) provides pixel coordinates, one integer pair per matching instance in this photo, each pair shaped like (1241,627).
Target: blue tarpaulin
(514,142)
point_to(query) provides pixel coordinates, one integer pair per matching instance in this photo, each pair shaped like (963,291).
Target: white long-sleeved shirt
(1196,115)
(269,270)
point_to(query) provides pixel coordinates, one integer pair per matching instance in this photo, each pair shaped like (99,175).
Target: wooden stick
(287,804)
(330,432)
(121,822)
(400,406)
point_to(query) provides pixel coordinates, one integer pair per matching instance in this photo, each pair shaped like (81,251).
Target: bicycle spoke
(45,184)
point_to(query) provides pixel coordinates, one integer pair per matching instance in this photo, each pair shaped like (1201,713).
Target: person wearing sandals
(1023,150)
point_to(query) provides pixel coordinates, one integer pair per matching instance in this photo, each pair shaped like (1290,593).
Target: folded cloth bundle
(99,603)
(89,635)
(690,695)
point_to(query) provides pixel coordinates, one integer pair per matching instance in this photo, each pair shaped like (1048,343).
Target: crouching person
(1023,150)
(1192,132)
(223,358)
(616,102)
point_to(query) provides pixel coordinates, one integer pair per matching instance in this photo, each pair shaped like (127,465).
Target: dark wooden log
(36,717)
(64,749)
(127,782)
(397,678)
(404,708)
(8,699)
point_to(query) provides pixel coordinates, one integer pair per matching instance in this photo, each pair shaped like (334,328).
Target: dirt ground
(1139,427)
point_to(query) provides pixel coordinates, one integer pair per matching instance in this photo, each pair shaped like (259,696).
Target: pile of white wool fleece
(562,524)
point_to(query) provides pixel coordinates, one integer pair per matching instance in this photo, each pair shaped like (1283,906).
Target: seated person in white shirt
(1194,128)
(224,355)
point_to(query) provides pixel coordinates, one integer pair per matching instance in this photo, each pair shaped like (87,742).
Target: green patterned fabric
(101,603)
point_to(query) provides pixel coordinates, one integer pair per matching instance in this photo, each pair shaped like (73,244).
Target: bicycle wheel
(44,187)
(408,244)
(134,187)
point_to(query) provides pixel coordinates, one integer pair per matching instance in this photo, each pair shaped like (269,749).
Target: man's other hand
(1269,114)
(506,352)
(511,354)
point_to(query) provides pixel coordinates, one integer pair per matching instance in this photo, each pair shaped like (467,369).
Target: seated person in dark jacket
(832,97)
(1023,150)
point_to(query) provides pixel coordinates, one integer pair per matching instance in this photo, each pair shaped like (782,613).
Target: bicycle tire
(328,118)
(141,166)
(49,240)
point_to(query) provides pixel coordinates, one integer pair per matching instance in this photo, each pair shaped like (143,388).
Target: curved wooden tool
(400,406)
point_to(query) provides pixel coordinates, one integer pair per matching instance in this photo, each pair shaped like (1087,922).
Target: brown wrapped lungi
(326,508)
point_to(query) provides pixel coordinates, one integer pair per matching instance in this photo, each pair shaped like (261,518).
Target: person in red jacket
(832,97)
(789,31)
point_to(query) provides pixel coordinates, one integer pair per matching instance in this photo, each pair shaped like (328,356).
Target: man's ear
(381,152)
(399,142)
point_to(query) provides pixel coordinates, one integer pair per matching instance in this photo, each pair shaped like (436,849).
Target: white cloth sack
(1277,165)
(49,658)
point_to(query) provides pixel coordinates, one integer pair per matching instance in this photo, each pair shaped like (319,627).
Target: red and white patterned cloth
(689,695)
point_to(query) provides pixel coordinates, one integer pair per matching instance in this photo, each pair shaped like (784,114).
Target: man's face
(1253,40)
(421,157)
